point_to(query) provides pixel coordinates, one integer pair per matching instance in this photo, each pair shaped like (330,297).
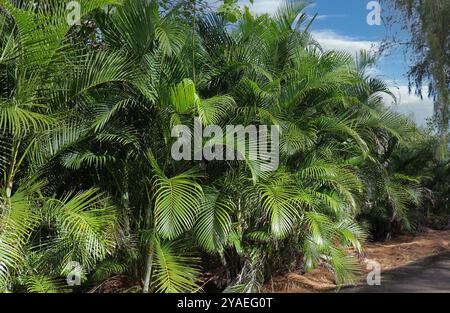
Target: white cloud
(332,41)
(262,6)
(270,6)
(410,104)
(328,16)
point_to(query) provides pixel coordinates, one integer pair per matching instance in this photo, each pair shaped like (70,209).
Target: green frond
(278,199)
(86,226)
(19,216)
(177,202)
(132,27)
(42,284)
(319,227)
(77,160)
(170,35)
(213,223)
(288,13)
(213,110)
(342,126)
(294,139)
(108,268)
(174,273)
(96,69)
(183,97)
(346,268)
(349,233)
(21,118)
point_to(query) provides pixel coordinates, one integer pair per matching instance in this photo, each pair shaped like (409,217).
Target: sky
(342,25)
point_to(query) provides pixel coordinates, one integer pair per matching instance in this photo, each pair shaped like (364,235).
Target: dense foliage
(86,113)
(427,45)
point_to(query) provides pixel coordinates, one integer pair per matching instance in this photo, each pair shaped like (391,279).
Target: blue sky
(342,25)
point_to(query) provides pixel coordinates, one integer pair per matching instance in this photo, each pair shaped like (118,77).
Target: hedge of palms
(86,114)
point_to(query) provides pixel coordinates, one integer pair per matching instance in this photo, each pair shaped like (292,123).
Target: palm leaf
(174,273)
(214,221)
(177,202)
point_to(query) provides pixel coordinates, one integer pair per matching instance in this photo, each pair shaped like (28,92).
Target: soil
(396,253)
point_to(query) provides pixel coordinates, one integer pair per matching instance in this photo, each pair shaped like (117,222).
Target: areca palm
(91,118)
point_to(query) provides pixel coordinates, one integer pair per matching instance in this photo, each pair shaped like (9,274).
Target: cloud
(332,41)
(269,6)
(328,16)
(411,105)
(262,6)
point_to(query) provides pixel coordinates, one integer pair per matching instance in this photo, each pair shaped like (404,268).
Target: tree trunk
(148,270)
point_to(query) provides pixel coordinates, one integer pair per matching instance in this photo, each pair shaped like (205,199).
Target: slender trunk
(148,270)
(239,217)
(149,261)
(391,221)
(9,181)
(125,211)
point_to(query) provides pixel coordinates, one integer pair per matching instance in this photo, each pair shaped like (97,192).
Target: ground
(397,253)
(431,274)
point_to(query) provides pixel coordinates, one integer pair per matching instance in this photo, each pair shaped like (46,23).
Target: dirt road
(431,274)
(395,257)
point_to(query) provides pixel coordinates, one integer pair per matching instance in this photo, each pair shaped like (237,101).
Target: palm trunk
(148,270)
(9,180)
(149,261)
(391,221)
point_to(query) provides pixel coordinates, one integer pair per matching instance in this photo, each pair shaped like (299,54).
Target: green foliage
(428,44)
(213,222)
(174,273)
(86,114)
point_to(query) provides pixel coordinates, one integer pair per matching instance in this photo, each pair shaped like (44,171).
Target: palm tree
(86,113)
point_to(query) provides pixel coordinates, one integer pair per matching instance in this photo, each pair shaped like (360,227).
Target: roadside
(431,274)
(396,253)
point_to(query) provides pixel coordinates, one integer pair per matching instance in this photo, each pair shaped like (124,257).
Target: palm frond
(213,223)
(174,273)
(177,202)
